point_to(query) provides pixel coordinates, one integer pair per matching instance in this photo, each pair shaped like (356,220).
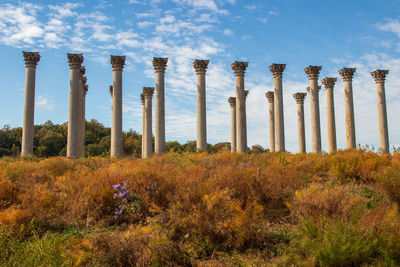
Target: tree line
(51,140)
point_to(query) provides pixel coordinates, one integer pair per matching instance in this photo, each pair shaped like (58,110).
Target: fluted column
(81,129)
(299,97)
(75,62)
(31,60)
(270,97)
(143,124)
(232,103)
(201,68)
(277,71)
(329,84)
(380,76)
(241,143)
(117,63)
(159,65)
(148,96)
(312,73)
(347,76)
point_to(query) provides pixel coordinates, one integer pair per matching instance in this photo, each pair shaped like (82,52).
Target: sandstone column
(117,63)
(159,65)
(143,125)
(31,60)
(81,129)
(75,62)
(380,76)
(83,126)
(232,102)
(347,76)
(270,97)
(148,96)
(329,84)
(312,73)
(241,143)
(201,68)
(277,70)
(299,97)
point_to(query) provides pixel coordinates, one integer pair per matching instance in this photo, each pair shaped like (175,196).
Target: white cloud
(391,26)
(44,103)
(228,32)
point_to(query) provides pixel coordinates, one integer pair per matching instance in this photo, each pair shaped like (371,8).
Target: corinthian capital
(142,98)
(200,65)
(111,90)
(85,89)
(160,64)
(239,68)
(329,83)
(299,97)
(313,72)
(347,73)
(380,75)
(277,70)
(83,80)
(75,60)
(118,62)
(270,96)
(31,59)
(232,101)
(148,92)
(83,70)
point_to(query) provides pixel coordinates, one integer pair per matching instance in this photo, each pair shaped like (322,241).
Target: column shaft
(270,97)
(330,121)
(349,115)
(301,128)
(143,124)
(380,76)
(148,151)
(232,102)
(241,144)
(201,112)
(315,117)
(29,108)
(116,117)
(159,65)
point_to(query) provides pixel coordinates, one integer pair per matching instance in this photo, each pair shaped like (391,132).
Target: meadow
(200,209)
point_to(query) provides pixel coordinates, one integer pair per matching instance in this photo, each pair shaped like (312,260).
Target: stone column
(143,125)
(329,83)
(241,143)
(81,129)
(75,62)
(312,73)
(299,97)
(270,97)
(31,60)
(148,96)
(201,68)
(232,102)
(380,76)
(83,126)
(347,76)
(277,70)
(159,65)
(117,63)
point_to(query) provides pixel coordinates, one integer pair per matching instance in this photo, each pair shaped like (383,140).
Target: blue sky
(333,34)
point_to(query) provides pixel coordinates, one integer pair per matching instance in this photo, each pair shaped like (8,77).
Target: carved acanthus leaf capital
(160,64)
(347,73)
(142,98)
(200,65)
(83,80)
(85,89)
(313,72)
(379,75)
(117,62)
(31,59)
(270,96)
(83,70)
(148,92)
(75,60)
(111,90)
(329,83)
(239,68)
(277,70)
(299,97)
(232,101)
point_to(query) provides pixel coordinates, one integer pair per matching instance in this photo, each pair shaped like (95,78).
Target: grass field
(202,210)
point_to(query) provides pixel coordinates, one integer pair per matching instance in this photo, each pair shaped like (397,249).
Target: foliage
(201,209)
